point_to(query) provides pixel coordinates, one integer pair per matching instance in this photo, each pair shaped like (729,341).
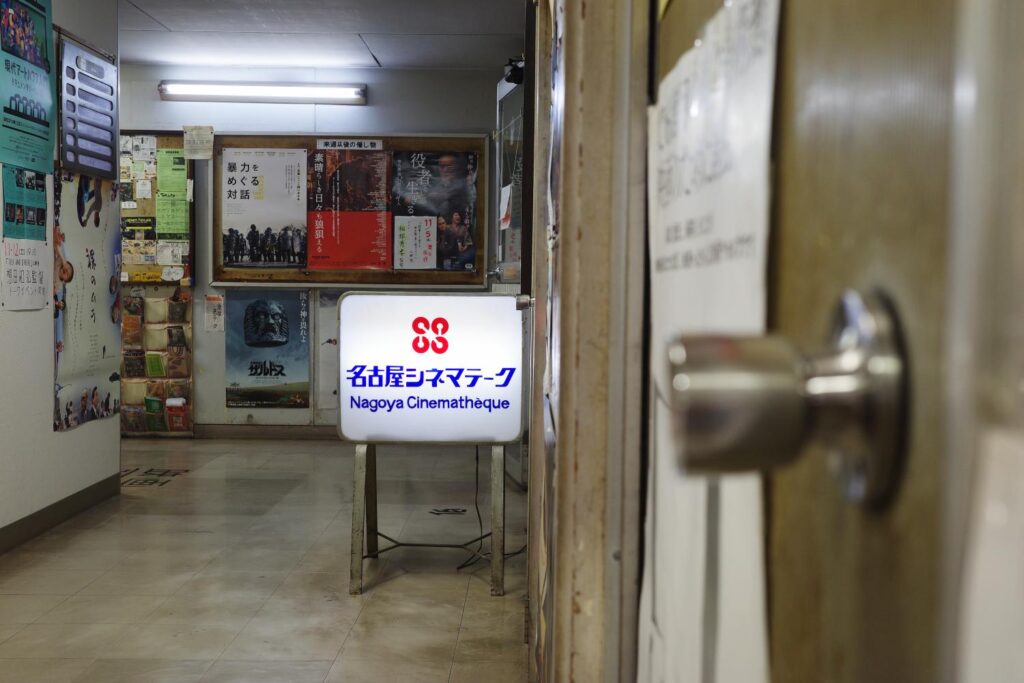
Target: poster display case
(392,210)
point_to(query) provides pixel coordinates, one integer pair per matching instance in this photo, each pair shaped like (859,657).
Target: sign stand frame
(365,530)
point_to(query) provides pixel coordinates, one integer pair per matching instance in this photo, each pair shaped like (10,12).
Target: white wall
(400,101)
(37,466)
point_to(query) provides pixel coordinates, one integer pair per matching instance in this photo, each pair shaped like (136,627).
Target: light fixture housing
(281,93)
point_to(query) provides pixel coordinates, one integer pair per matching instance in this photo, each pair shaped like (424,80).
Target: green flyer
(24,197)
(171,171)
(172,215)
(28,84)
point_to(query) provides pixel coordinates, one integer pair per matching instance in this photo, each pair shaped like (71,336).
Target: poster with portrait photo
(263,208)
(441,185)
(86,300)
(267,348)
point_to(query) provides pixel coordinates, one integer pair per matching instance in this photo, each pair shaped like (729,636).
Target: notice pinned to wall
(198,142)
(214,313)
(23,281)
(703,611)
(415,243)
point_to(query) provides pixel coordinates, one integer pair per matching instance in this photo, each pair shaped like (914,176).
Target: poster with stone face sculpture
(86,300)
(267,349)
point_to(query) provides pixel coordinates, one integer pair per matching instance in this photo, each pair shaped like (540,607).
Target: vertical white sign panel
(428,368)
(703,602)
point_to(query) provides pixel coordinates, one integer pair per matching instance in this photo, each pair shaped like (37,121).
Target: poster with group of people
(86,300)
(28,129)
(434,199)
(355,208)
(263,209)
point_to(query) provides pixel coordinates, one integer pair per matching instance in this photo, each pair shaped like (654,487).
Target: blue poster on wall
(267,348)
(24,199)
(28,84)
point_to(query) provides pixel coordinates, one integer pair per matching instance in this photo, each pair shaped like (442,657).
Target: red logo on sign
(423,328)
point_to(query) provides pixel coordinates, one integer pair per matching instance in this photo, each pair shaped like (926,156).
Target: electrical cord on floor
(479,554)
(479,518)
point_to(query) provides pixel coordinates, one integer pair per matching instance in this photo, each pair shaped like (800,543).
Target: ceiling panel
(131,18)
(444,17)
(444,51)
(244,49)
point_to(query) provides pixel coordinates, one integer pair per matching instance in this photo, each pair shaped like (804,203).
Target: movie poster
(28,131)
(349,218)
(25,268)
(86,299)
(267,348)
(263,208)
(442,186)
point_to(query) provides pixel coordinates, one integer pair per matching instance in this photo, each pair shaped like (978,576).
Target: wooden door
(861,159)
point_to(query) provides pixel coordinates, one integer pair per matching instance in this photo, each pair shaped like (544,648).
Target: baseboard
(289,432)
(40,522)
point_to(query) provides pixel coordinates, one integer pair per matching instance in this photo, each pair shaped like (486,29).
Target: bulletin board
(359,210)
(157,221)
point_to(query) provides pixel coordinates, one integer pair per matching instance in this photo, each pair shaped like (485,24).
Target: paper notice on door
(198,142)
(506,207)
(992,593)
(143,189)
(709,146)
(214,318)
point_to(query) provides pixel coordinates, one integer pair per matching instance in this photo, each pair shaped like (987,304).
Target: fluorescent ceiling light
(290,93)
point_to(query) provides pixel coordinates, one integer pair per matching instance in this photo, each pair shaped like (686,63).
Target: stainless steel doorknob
(755,403)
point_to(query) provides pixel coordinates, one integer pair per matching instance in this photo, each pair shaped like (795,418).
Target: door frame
(600,259)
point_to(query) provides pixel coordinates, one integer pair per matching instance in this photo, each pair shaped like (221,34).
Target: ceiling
(441,34)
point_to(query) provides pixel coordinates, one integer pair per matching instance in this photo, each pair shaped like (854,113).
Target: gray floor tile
(238,571)
(226,671)
(144,671)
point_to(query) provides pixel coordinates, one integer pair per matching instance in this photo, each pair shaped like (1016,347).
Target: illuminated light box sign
(430,368)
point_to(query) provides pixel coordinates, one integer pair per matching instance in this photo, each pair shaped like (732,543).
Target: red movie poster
(349,217)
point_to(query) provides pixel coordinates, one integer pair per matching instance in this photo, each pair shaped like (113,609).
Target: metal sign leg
(355,585)
(497,520)
(371,501)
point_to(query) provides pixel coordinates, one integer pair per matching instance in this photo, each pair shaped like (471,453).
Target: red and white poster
(349,217)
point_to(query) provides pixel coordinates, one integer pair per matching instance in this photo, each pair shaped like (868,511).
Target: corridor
(228,561)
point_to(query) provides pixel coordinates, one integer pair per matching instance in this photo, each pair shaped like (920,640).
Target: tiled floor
(238,571)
